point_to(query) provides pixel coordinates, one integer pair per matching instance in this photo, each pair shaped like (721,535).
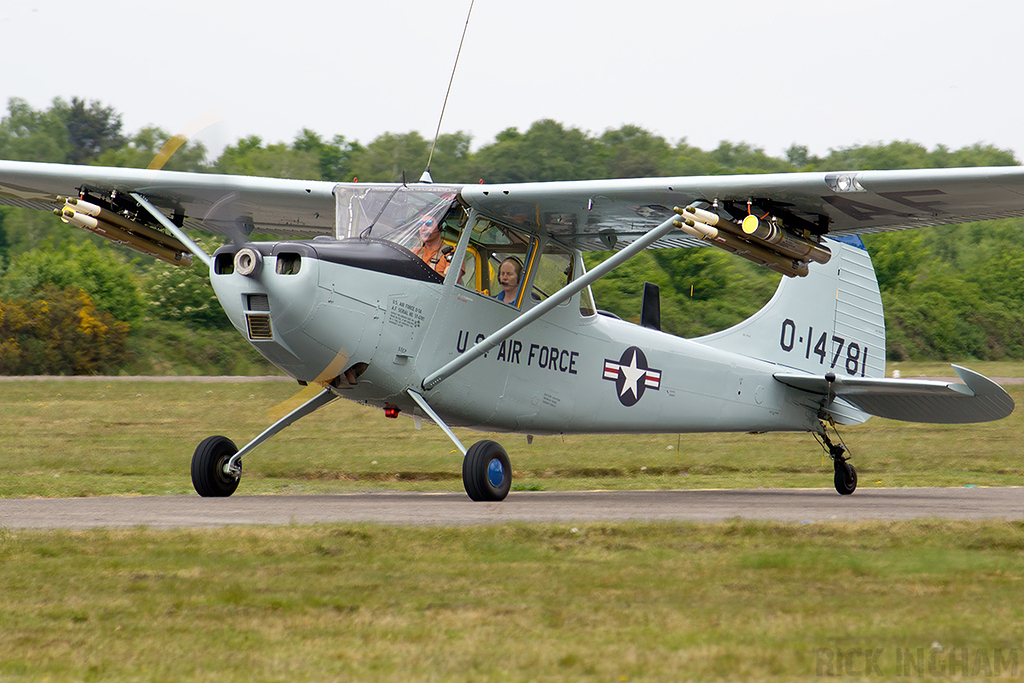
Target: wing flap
(977,399)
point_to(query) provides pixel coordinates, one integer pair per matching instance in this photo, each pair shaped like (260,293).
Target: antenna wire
(451,80)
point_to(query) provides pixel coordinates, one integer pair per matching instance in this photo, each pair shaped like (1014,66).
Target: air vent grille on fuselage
(259,326)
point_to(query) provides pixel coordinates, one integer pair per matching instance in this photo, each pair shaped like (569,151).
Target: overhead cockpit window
(495,235)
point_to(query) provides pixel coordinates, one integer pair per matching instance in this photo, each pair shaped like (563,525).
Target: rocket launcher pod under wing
(702,225)
(138,238)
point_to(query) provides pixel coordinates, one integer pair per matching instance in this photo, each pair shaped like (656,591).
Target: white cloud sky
(811,72)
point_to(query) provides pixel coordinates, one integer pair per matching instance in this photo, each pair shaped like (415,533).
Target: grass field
(626,602)
(740,600)
(94,437)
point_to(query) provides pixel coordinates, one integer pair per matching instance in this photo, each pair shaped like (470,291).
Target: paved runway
(426,509)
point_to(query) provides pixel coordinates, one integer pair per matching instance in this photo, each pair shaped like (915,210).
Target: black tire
(846,479)
(208,476)
(486,471)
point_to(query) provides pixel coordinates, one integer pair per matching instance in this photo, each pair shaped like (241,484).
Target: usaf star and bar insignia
(632,375)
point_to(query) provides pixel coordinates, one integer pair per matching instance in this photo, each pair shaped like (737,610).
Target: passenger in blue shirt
(509,273)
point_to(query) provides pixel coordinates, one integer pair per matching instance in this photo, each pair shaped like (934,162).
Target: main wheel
(208,475)
(846,478)
(486,471)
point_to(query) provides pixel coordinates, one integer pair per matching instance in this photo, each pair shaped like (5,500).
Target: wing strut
(556,299)
(173,229)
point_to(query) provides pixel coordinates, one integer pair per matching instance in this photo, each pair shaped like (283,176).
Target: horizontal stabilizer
(978,399)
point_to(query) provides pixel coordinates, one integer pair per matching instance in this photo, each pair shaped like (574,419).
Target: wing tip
(1000,402)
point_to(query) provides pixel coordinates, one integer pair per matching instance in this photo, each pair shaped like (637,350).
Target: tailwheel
(486,471)
(209,475)
(846,475)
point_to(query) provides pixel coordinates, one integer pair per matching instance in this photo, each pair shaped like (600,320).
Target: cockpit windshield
(391,212)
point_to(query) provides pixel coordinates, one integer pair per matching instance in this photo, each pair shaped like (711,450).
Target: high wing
(609,214)
(587,214)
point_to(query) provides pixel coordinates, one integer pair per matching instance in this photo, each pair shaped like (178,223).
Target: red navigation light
(391,410)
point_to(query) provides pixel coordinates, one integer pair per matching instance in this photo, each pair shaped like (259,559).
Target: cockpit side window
(555,267)
(491,246)
(512,266)
(554,270)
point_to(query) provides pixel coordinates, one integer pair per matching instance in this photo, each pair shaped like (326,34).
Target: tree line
(71,303)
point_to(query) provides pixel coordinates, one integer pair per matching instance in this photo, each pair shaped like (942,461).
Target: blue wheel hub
(495,472)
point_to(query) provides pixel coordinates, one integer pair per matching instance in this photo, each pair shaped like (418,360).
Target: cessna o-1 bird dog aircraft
(347,306)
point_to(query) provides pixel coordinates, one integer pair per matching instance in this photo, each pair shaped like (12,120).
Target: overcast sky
(818,73)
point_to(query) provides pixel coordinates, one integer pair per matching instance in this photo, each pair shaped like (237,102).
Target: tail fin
(829,321)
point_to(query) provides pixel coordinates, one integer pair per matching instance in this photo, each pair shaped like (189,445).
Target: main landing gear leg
(845,474)
(217,463)
(486,470)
